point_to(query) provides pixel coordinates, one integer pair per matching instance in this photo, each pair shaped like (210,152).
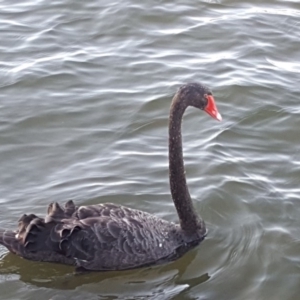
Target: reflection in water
(159,281)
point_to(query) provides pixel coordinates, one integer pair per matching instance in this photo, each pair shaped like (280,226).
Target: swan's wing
(107,237)
(105,210)
(50,235)
(106,243)
(56,212)
(99,243)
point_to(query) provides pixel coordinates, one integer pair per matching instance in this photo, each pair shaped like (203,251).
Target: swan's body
(112,237)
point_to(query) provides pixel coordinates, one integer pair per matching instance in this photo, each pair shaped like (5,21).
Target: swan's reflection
(161,280)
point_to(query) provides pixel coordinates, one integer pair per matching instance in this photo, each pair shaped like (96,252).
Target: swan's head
(200,96)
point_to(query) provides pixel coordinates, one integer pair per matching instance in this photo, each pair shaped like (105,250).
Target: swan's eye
(206,98)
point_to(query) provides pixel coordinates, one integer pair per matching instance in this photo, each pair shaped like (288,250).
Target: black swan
(112,237)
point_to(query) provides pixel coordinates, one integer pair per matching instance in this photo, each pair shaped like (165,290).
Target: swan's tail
(36,234)
(8,239)
(35,241)
(46,239)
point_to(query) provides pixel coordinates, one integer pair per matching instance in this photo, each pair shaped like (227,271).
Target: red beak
(211,108)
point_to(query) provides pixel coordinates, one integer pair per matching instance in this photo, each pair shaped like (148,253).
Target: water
(85,94)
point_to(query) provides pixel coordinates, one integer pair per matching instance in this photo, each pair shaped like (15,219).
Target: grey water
(85,90)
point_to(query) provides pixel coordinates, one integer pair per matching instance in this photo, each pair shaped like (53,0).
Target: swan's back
(96,237)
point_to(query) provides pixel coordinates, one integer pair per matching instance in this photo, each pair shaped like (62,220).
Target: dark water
(85,89)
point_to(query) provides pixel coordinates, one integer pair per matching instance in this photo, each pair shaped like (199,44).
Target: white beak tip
(219,117)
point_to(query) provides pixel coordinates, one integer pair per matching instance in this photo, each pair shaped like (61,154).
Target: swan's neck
(189,220)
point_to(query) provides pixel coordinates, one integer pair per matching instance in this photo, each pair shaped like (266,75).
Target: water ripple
(85,96)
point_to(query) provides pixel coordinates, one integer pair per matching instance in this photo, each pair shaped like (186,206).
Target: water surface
(85,95)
